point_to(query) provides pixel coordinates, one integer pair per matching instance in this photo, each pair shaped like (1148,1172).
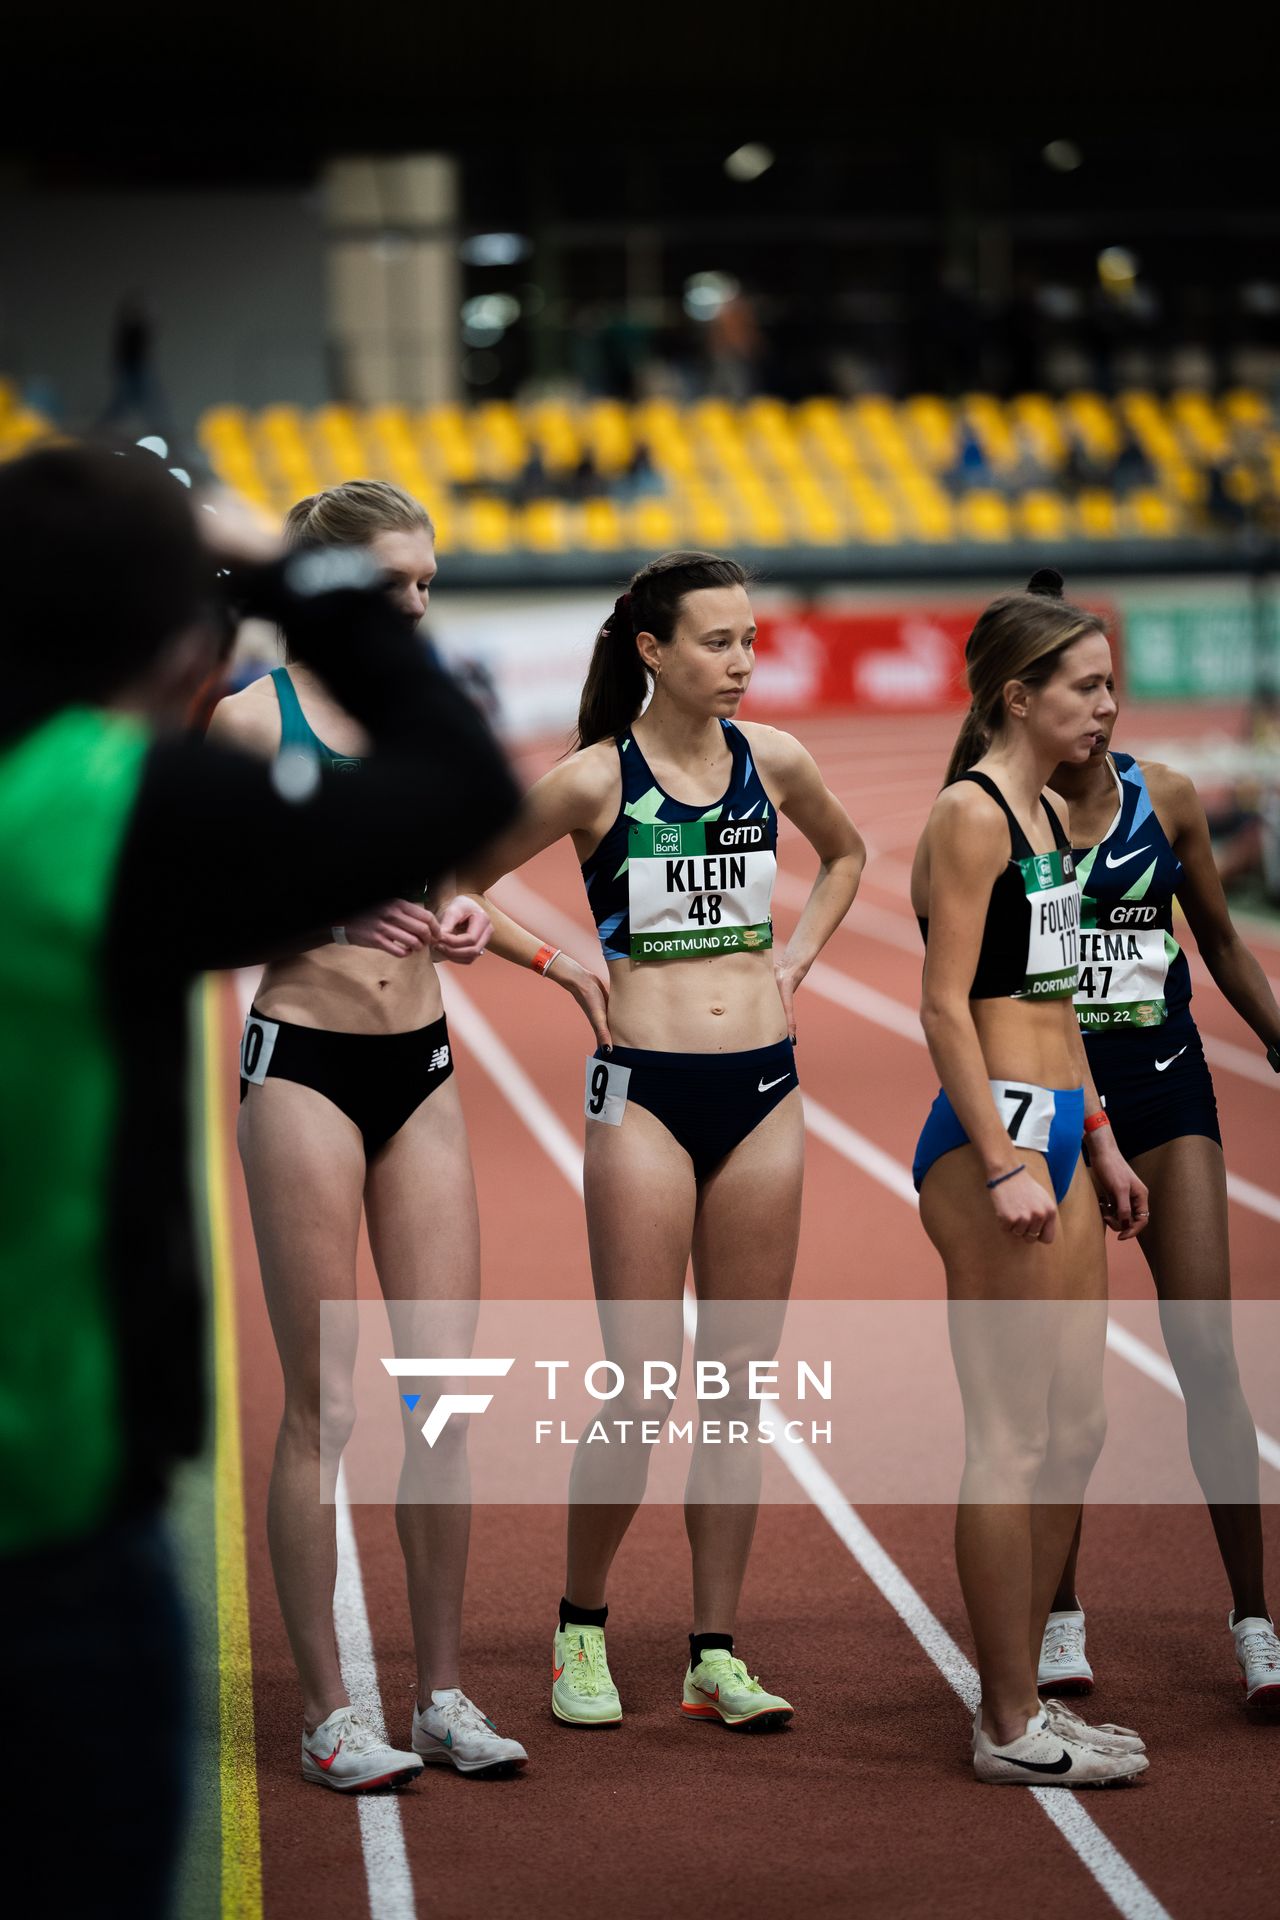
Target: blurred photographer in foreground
(131,859)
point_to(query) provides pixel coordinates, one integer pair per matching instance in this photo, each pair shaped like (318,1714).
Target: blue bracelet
(1000,1177)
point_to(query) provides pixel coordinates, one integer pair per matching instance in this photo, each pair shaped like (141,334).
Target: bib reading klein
(700,887)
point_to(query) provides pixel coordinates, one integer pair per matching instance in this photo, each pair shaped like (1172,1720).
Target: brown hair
(349,515)
(617,679)
(1020,636)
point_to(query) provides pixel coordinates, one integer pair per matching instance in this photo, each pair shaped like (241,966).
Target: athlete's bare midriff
(722,1003)
(352,990)
(1026,1042)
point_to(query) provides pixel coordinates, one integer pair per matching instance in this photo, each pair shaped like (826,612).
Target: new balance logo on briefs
(1126,857)
(439,1059)
(765,1085)
(434,1424)
(1162,1064)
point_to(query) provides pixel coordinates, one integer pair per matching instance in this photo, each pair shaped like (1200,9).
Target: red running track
(866,1804)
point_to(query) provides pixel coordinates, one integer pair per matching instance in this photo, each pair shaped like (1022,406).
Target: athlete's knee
(1076,1440)
(1005,1459)
(319,1419)
(1200,1345)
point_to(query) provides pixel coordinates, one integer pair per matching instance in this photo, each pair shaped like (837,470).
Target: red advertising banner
(904,660)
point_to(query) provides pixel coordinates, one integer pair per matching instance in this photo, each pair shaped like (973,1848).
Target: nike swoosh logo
(1061,1765)
(326,1764)
(557,1671)
(765,1085)
(1123,861)
(1162,1064)
(447,1740)
(747,815)
(710,1696)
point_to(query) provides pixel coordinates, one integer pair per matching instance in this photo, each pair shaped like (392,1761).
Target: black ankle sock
(575,1616)
(700,1643)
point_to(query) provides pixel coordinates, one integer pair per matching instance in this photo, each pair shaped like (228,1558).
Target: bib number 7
(1027,1112)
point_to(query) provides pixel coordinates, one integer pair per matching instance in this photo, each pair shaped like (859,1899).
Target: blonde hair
(351,514)
(1020,636)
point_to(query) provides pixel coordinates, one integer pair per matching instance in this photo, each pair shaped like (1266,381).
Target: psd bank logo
(434,1424)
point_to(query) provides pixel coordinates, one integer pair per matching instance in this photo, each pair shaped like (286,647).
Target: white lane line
(1117,1879)
(386,1861)
(525,904)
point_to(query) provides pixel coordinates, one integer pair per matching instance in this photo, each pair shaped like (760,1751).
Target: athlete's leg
(1007,1328)
(304,1170)
(744,1249)
(424,1232)
(1186,1248)
(640,1194)
(1077,1420)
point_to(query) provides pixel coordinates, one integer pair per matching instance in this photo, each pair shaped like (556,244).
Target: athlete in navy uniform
(695,1136)
(1142,841)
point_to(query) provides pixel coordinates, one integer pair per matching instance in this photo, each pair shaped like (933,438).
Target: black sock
(575,1616)
(699,1643)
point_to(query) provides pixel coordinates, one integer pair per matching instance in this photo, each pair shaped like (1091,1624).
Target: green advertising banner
(1216,649)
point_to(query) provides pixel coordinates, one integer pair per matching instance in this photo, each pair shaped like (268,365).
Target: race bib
(606,1091)
(1053,946)
(257,1044)
(1124,964)
(1027,1112)
(702,887)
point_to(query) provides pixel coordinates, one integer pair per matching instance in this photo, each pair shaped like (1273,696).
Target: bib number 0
(257,1044)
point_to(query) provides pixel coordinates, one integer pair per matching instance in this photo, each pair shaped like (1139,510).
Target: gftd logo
(434,1424)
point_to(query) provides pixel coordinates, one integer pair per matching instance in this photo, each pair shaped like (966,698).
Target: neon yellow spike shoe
(720,1688)
(582,1689)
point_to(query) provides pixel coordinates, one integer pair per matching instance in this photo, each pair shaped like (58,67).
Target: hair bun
(1047,581)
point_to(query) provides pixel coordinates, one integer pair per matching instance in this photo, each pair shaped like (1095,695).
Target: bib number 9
(606,1096)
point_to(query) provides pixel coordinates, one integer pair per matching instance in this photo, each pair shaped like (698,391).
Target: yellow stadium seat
(545,527)
(1153,515)
(485,525)
(984,515)
(653,523)
(1096,513)
(1042,515)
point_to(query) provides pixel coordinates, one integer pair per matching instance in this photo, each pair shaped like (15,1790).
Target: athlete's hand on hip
(1025,1210)
(400,927)
(465,931)
(788,976)
(590,992)
(1121,1195)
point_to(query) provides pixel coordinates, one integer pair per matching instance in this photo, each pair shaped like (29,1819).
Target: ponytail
(1020,636)
(617,679)
(971,743)
(616,683)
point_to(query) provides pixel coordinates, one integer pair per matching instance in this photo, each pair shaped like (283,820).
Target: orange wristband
(543,958)
(1096,1120)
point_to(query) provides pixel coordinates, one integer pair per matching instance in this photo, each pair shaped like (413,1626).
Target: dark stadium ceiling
(223,90)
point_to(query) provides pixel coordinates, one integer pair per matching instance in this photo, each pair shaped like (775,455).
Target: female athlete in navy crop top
(1003,1193)
(1143,842)
(694,1128)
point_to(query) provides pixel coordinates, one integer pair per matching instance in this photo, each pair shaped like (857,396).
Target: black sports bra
(1030,942)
